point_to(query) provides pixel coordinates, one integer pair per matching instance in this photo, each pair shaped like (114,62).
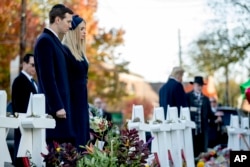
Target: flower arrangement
(98,124)
(61,155)
(123,149)
(216,157)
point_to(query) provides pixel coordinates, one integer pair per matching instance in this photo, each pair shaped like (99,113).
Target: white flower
(98,124)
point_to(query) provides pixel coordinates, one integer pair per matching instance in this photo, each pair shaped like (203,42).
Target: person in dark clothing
(77,66)
(215,129)
(52,74)
(101,106)
(172,92)
(100,111)
(22,87)
(201,114)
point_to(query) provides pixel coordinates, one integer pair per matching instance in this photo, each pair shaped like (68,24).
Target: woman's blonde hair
(75,44)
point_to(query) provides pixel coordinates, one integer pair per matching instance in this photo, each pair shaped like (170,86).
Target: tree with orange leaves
(128,107)
(10,21)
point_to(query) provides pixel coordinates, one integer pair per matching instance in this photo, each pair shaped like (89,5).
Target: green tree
(107,65)
(224,42)
(233,94)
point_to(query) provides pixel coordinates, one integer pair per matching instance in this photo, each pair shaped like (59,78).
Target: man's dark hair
(58,10)
(26,58)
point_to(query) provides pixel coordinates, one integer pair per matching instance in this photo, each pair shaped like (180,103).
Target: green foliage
(234,93)
(224,43)
(97,158)
(122,150)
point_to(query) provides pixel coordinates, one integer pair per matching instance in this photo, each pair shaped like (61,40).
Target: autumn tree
(8,40)
(130,102)
(10,20)
(234,92)
(225,42)
(105,62)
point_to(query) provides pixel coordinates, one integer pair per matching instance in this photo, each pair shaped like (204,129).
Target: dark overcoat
(78,79)
(172,93)
(21,90)
(207,117)
(53,82)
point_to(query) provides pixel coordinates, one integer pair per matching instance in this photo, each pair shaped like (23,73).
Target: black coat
(78,78)
(54,83)
(21,90)
(107,115)
(207,118)
(172,93)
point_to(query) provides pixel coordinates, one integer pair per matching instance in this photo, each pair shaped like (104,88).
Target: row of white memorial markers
(238,133)
(172,141)
(32,126)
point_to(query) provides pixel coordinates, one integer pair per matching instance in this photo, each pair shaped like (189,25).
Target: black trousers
(199,144)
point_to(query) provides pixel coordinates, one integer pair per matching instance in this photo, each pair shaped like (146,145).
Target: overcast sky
(151,26)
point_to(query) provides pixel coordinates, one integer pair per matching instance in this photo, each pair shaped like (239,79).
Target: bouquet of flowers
(123,150)
(216,157)
(98,124)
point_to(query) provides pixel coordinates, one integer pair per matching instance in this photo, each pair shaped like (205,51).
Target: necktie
(34,83)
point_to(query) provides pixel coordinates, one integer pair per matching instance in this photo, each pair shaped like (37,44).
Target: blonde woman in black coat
(77,67)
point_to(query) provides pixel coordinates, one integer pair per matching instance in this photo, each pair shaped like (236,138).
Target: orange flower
(90,148)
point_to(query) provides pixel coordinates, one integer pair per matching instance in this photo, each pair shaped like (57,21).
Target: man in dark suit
(52,74)
(172,92)
(201,114)
(101,106)
(22,87)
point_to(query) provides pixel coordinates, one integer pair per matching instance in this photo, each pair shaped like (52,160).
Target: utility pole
(227,86)
(179,44)
(22,29)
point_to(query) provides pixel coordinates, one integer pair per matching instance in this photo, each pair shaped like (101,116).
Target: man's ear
(57,19)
